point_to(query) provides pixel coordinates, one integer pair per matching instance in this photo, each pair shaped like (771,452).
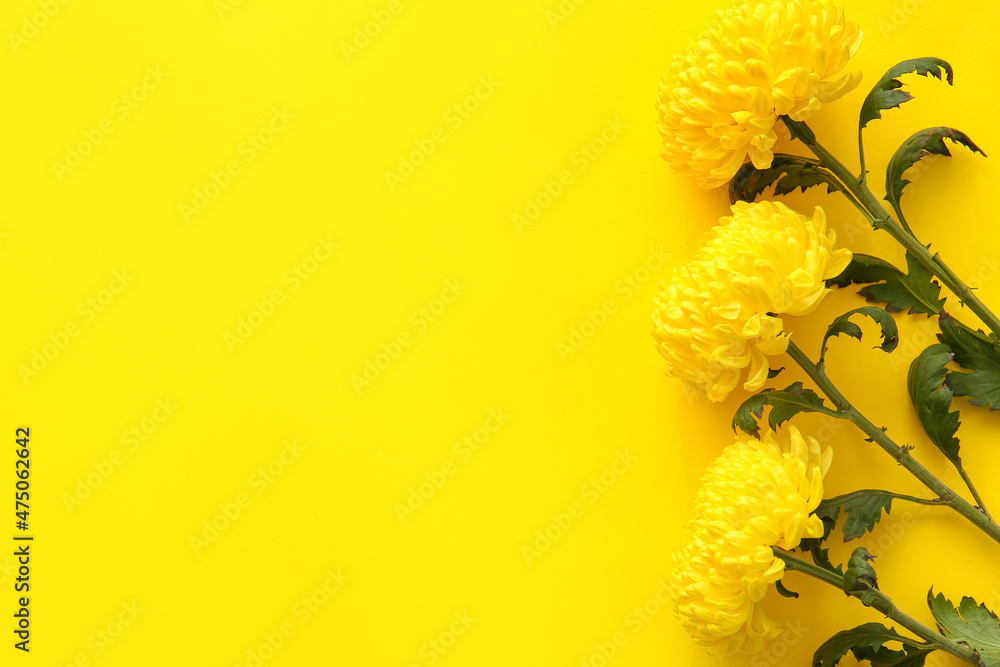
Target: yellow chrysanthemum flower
(759,59)
(757,494)
(717,315)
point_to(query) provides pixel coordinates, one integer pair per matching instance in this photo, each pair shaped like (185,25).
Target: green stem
(863,177)
(840,500)
(880,219)
(879,601)
(900,454)
(972,489)
(793,562)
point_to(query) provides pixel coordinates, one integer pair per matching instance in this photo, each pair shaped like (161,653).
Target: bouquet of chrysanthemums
(761,511)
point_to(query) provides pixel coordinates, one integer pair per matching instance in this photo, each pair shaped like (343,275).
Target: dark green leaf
(911,656)
(860,575)
(887,93)
(932,399)
(784,592)
(799,130)
(814,545)
(786,173)
(972,623)
(828,511)
(863,510)
(977,354)
(923,143)
(843,325)
(785,404)
(915,290)
(866,636)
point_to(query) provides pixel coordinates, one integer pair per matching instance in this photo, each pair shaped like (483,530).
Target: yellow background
(556,81)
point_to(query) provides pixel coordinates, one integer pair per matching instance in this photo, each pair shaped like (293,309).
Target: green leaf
(932,399)
(914,290)
(785,404)
(910,656)
(977,354)
(972,623)
(860,575)
(863,510)
(784,592)
(870,636)
(887,93)
(814,545)
(799,130)
(843,325)
(786,173)
(925,142)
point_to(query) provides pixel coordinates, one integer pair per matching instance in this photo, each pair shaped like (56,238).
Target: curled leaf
(979,355)
(888,92)
(799,130)
(921,144)
(784,592)
(863,509)
(869,637)
(844,325)
(785,404)
(814,545)
(914,291)
(786,173)
(931,398)
(910,656)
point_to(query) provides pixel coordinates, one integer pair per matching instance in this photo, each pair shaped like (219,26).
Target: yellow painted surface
(288,410)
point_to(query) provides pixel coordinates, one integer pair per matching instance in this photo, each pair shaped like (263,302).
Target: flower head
(759,59)
(718,313)
(757,494)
